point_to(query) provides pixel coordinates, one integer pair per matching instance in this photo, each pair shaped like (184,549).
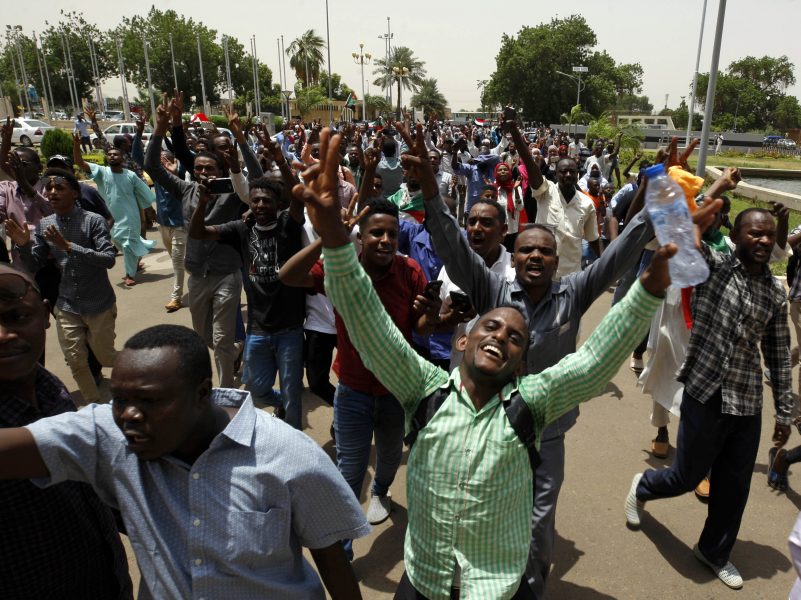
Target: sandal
(129,281)
(776,479)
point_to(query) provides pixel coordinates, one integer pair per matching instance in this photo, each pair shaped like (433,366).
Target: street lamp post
(126,106)
(361,59)
(287,94)
(149,83)
(172,56)
(580,85)
(387,37)
(202,79)
(691,108)
(700,169)
(328,46)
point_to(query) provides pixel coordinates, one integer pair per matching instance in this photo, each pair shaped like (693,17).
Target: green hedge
(56,141)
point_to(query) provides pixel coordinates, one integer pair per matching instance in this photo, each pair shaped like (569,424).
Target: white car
(121,129)
(28,132)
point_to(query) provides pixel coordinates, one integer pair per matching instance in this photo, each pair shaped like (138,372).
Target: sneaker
(173,305)
(379,508)
(633,507)
(636,365)
(728,573)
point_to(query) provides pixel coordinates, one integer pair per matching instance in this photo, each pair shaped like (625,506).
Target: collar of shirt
(51,396)
(76,210)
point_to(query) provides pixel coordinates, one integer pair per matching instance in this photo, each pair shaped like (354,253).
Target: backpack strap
(425,412)
(522,421)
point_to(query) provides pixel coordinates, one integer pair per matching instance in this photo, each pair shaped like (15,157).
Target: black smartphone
(460,301)
(509,114)
(431,290)
(221,185)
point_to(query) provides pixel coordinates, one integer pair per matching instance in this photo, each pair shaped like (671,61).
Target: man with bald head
(469,525)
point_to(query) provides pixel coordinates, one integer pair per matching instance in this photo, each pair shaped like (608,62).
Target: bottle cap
(655,170)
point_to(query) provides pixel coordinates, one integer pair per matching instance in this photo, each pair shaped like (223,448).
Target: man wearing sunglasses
(79,243)
(60,542)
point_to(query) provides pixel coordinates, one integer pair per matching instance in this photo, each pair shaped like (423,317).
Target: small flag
(351,102)
(479,122)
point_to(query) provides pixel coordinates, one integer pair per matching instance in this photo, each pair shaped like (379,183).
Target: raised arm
(197,227)
(170,182)
(137,147)
(77,156)
(584,374)
(533,169)
(382,347)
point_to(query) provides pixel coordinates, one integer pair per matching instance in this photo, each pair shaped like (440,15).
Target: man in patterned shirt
(61,542)
(79,242)
(740,308)
(469,479)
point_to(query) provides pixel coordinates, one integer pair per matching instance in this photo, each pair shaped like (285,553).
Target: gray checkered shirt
(85,288)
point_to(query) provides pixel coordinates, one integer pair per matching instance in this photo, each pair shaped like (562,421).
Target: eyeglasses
(14,288)
(55,180)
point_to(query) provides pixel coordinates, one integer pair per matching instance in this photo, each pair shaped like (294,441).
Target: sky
(459,40)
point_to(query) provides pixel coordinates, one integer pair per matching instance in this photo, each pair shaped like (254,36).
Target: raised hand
(417,161)
(163,115)
(53,235)
(656,278)
(141,120)
(176,107)
(170,165)
(321,194)
(19,234)
(90,113)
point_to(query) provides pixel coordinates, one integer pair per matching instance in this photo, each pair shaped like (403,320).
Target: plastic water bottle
(670,216)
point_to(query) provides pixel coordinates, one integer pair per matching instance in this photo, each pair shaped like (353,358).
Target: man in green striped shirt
(469,480)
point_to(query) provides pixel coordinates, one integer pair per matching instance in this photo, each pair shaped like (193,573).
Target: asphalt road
(596,557)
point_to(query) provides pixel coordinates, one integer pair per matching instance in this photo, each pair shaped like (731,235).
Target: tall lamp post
(287,94)
(362,59)
(400,73)
(387,37)
(580,85)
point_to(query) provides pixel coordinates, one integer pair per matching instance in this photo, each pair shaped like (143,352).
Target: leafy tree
(751,95)
(307,98)
(402,68)
(429,99)
(377,105)
(787,114)
(603,128)
(339,90)
(306,57)
(526,65)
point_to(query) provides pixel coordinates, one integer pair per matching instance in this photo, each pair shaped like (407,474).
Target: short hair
(389,146)
(541,227)
(72,181)
(434,151)
(568,159)
(118,141)
(270,185)
(753,209)
(192,350)
(379,206)
(498,208)
(32,154)
(212,155)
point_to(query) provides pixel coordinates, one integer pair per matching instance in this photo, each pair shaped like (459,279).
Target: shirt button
(196,522)
(195,475)
(462,484)
(198,561)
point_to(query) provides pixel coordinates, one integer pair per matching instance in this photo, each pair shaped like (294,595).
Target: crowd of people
(449,267)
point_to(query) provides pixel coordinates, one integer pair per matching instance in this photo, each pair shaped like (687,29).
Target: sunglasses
(13,288)
(55,180)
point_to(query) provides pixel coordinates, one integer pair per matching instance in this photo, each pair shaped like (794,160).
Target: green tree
(787,114)
(526,64)
(306,57)
(377,105)
(402,68)
(429,99)
(751,94)
(307,98)
(339,89)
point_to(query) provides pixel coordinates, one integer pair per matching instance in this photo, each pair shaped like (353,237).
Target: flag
(479,122)
(411,205)
(351,102)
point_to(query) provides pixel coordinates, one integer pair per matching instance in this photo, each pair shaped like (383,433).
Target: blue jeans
(357,417)
(277,353)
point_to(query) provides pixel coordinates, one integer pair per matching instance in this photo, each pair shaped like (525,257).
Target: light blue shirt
(229,526)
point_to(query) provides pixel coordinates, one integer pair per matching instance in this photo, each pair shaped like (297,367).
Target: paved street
(597,557)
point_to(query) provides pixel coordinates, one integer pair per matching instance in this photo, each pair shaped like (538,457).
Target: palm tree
(429,98)
(306,57)
(403,68)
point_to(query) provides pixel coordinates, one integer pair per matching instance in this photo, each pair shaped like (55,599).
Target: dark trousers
(318,349)
(406,591)
(726,444)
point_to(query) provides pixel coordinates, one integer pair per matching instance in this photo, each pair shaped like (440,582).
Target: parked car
(112,131)
(786,143)
(28,132)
